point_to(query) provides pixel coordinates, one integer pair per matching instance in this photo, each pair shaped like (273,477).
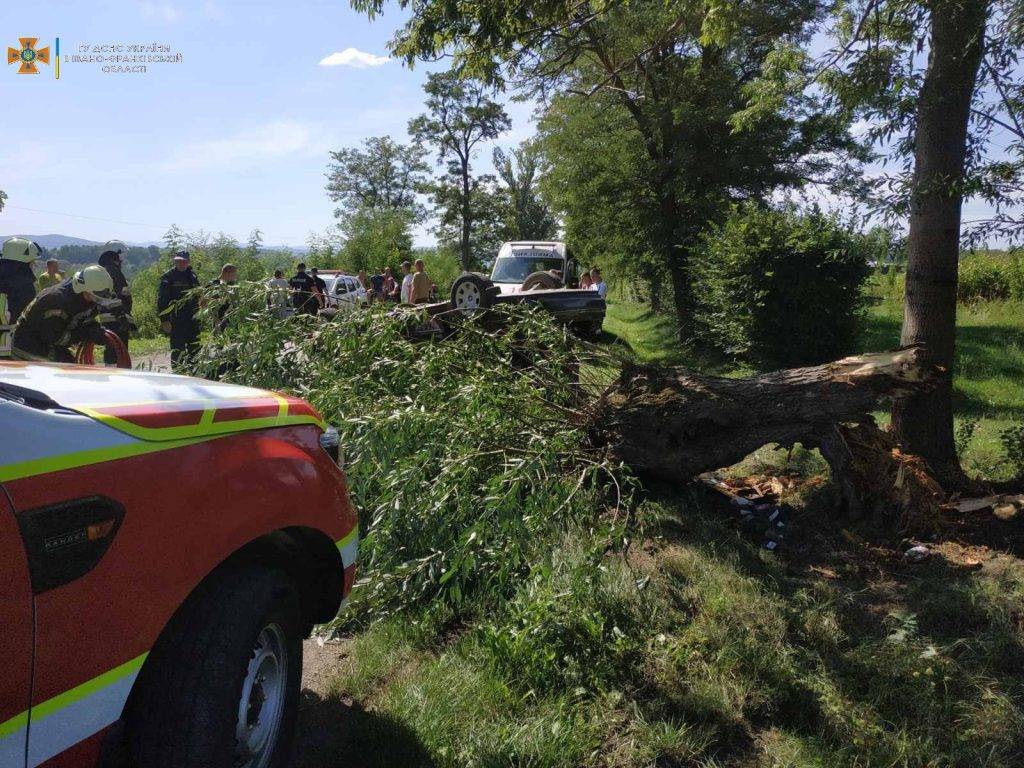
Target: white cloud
(245,149)
(160,11)
(353,57)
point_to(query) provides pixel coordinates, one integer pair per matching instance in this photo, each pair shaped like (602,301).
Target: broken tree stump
(670,424)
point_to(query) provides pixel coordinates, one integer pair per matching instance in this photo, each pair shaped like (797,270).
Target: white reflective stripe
(53,732)
(12,747)
(349,547)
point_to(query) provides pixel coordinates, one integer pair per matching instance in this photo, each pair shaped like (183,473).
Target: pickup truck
(167,543)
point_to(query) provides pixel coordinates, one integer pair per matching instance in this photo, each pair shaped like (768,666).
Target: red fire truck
(165,544)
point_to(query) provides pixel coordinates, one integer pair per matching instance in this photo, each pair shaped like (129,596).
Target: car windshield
(515,268)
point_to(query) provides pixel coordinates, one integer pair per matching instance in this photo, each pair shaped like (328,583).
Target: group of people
(594,282)
(51,313)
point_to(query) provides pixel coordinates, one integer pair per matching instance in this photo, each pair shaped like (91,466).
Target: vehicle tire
(472,292)
(541,281)
(221,686)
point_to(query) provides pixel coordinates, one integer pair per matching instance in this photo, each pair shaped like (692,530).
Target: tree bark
(467,261)
(671,425)
(924,422)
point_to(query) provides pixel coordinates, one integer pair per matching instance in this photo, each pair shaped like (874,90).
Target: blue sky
(235,136)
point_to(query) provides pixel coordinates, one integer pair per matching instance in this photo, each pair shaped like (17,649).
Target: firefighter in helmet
(17,281)
(64,315)
(110,259)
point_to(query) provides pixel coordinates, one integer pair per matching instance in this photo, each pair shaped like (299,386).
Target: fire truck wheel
(221,687)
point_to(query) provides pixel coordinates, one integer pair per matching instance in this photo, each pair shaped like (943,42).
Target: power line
(79,216)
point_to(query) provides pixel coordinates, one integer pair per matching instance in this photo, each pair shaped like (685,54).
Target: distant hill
(55,241)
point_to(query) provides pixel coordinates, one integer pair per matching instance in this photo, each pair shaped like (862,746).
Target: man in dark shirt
(178,314)
(303,291)
(321,288)
(376,286)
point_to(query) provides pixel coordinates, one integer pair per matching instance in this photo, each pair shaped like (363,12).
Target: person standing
(303,291)
(376,290)
(17,281)
(110,260)
(228,276)
(321,287)
(599,284)
(51,277)
(419,291)
(177,311)
(404,295)
(390,287)
(278,298)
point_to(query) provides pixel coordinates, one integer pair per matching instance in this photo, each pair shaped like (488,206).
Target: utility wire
(79,216)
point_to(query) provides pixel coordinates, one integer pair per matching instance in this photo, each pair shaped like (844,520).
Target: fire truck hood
(153,406)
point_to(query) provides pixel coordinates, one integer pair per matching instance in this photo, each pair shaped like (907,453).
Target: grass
(987,384)
(695,647)
(706,651)
(152,346)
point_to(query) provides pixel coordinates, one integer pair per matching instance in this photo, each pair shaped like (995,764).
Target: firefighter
(17,281)
(178,314)
(110,260)
(63,315)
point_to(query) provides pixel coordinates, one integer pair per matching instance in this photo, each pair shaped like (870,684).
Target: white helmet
(20,249)
(94,279)
(117,246)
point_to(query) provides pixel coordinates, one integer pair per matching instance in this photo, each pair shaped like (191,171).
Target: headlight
(330,441)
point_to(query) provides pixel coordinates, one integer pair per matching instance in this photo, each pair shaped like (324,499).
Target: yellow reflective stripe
(92,456)
(206,427)
(347,538)
(15,724)
(87,688)
(72,695)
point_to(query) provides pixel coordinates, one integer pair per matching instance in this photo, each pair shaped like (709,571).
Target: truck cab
(519,259)
(166,543)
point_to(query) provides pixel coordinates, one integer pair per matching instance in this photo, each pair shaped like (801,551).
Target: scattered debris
(917,553)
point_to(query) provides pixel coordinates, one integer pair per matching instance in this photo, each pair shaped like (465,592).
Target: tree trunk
(924,422)
(467,260)
(671,425)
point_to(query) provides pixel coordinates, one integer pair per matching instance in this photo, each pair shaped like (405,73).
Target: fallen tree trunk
(672,425)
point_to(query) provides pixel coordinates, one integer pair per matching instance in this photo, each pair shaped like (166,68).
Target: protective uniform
(17,281)
(304,293)
(174,284)
(110,260)
(62,316)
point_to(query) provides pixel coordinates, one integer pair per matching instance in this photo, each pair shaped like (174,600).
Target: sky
(233,136)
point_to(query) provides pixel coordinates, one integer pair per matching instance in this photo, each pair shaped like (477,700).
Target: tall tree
(526,216)
(956,120)
(684,71)
(383,175)
(3,197)
(255,243)
(460,115)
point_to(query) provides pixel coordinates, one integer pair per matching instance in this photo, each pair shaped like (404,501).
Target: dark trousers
(184,342)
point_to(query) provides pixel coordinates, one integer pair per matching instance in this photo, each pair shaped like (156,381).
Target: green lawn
(989,376)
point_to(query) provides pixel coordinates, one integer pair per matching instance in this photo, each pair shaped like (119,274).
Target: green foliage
(991,276)
(462,456)
(780,288)
(382,176)
(1012,440)
(460,115)
(524,214)
(377,238)
(208,255)
(442,265)
(136,259)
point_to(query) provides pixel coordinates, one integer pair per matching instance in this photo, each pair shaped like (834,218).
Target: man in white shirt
(407,277)
(278,298)
(598,284)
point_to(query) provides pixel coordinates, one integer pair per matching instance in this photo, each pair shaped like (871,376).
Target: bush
(991,277)
(780,288)
(460,455)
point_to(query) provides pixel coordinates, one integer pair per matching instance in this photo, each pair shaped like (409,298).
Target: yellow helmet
(94,279)
(20,249)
